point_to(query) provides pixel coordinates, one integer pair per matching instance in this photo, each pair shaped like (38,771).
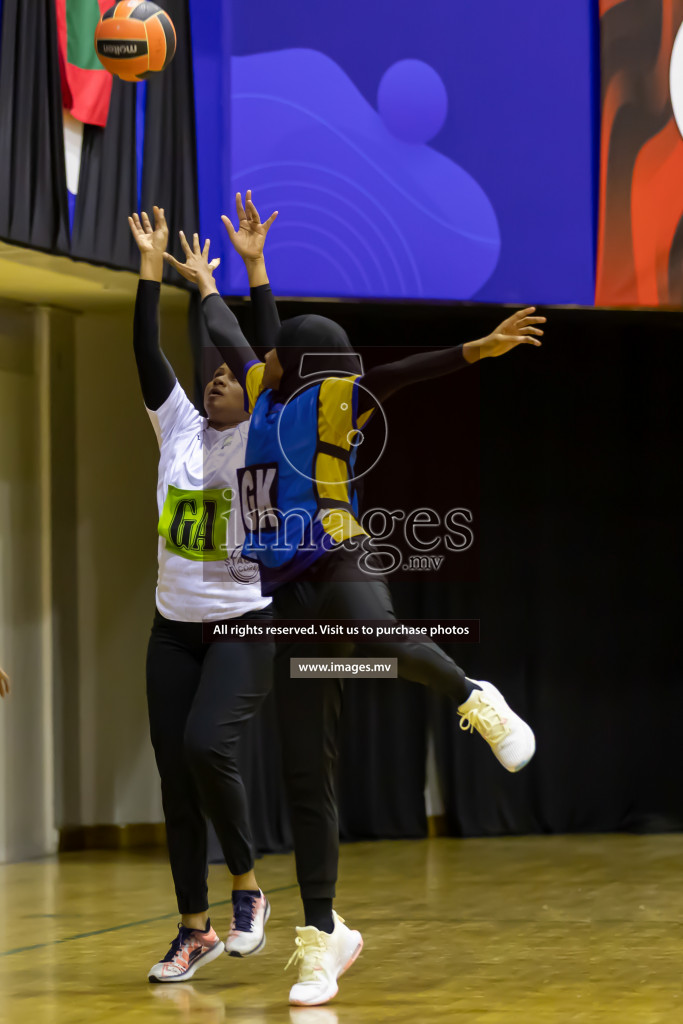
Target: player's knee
(207,747)
(197,745)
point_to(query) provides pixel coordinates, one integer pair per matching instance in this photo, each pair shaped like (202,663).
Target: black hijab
(311,348)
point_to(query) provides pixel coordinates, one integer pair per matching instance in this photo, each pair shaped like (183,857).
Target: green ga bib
(194,524)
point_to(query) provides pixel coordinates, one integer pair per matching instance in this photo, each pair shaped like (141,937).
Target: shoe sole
(521,764)
(211,954)
(256,949)
(513,768)
(320,1002)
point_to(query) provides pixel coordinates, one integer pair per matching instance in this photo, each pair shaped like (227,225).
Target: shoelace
(243,911)
(181,938)
(487,721)
(307,955)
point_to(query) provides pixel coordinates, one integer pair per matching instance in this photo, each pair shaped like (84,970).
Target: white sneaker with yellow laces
(321,959)
(508,735)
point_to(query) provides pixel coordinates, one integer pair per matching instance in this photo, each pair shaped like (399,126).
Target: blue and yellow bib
(296,490)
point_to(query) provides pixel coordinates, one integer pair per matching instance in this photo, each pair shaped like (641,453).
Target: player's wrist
(152,266)
(206,284)
(473,351)
(256,271)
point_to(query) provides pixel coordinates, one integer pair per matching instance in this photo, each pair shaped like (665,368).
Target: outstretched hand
(251,236)
(4,684)
(518,329)
(148,239)
(196,267)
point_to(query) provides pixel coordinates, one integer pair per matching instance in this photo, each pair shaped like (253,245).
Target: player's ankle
(196,922)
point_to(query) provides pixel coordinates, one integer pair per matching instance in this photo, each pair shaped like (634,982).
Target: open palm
(518,329)
(250,238)
(147,238)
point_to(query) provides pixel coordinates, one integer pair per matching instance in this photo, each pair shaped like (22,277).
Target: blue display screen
(438,151)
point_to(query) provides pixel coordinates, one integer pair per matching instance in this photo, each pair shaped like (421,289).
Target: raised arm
(224,330)
(383,381)
(156,375)
(249,241)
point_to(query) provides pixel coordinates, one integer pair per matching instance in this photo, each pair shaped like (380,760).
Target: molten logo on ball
(107,49)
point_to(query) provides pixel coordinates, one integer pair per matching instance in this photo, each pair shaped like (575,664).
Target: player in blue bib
(310,401)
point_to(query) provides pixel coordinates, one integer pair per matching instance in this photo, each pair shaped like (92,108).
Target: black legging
(199,696)
(309,709)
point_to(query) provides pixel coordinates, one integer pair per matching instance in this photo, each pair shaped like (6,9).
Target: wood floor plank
(529,930)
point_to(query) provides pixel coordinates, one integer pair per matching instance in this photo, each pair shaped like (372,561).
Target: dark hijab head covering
(311,348)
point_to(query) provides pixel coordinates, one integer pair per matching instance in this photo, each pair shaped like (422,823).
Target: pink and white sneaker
(248,928)
(189,951)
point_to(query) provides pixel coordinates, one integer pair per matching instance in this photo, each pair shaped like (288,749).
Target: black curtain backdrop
(107,186)
(33,198)
(578,588)
(580,581)
(169,176)
(33,195)
(382,759)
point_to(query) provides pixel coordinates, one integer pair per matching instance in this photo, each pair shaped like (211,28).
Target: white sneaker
(189,951)
(247,930)
(508,735)
(322,958)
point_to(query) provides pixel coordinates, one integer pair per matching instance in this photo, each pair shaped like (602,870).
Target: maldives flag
(86,86)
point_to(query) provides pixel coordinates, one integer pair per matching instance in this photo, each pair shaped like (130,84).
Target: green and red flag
(86,86)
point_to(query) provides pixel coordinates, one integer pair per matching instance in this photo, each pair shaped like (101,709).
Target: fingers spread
(183,242)
(241,215)
(228,226)
(534,320)
(205,250)
(173,261)
(271,220)
(195,244)
(252,213)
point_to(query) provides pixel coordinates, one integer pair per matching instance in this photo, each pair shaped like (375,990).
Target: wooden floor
(529,930)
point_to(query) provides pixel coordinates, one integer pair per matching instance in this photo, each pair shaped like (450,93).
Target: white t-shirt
(202,576)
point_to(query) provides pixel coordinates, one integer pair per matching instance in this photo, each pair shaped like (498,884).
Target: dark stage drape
(33,197)
(383,753)
(169,176)
(107,187)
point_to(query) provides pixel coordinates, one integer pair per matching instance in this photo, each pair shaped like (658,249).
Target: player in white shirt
(199,694)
